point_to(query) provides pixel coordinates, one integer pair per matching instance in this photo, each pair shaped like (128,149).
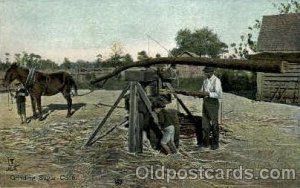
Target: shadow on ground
(54,107)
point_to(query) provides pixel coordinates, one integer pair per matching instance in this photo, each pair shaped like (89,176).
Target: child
(20,96)
(166,122)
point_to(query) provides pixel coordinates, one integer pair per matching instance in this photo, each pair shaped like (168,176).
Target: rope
(91,91)
(108,105)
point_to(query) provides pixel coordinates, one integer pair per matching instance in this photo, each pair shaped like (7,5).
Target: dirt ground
(50,153)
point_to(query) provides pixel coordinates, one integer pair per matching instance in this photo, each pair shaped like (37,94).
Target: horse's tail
(73,84)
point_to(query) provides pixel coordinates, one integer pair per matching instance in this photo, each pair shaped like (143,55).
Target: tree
(127,59)
(99,59)
(292,6)
(113,61)
(117,49)
(22,59)
(7,57)
(66,64)
(34,60)
(98,62)
(48,64)
(115,55)
(202,42)
(18,59)
(142,55)
(4,65)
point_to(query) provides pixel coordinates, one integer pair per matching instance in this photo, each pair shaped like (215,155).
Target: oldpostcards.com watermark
(163,173)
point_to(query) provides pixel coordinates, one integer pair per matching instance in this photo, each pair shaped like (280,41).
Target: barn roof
(280,33)
(188,54)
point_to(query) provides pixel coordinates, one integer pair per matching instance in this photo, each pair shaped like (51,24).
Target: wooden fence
(283,87)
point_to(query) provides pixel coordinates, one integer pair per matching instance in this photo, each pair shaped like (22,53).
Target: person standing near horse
(20,96)
(41,84)
(212,90)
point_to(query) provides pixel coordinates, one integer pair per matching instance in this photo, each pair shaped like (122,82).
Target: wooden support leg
(139,134)
(90,140)
(133,118)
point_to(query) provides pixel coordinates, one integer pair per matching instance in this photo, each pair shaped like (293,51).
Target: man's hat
(209,69)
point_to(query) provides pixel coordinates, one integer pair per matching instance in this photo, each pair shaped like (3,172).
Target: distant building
(187,71)
(279,39)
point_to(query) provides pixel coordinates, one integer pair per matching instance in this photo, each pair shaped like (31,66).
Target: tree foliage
(203,42)
(67,64)
(34,60)
(117,57)
(142,55)
(4,65)
(293,6)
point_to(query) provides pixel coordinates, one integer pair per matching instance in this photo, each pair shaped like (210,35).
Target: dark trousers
(21,107)
(199,133)
(210,124)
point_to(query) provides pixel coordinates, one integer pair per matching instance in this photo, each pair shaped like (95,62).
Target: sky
(82,29)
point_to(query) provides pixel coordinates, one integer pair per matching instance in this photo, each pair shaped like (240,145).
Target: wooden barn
(279,39)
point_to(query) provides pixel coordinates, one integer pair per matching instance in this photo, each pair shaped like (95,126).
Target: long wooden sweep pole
(269,66)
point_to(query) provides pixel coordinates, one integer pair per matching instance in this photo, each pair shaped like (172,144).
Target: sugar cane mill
(147,85)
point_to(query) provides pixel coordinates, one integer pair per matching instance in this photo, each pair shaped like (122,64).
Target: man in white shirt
(210,112)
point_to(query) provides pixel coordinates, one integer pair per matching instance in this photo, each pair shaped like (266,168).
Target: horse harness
(30,78)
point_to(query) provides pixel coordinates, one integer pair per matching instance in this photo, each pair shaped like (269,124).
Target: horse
(42,84)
